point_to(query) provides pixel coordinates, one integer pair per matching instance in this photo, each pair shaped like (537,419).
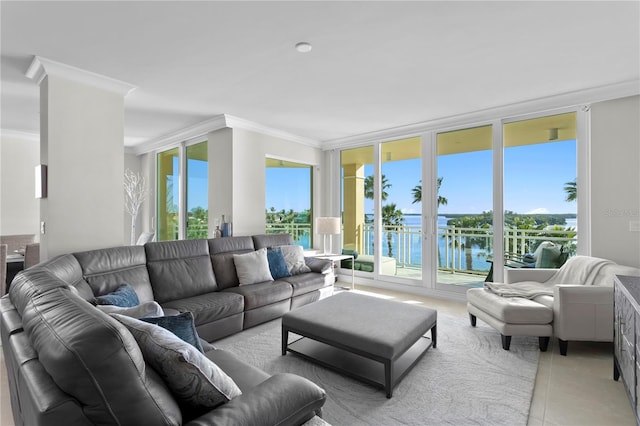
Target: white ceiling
(374,65)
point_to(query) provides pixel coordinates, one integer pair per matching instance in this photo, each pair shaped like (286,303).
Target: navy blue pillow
(181,325)
(124,296)
(277,264)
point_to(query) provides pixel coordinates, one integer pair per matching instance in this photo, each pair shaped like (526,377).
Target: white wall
(237,176)
(19,209)
(82,134)
(221,183)
(615,180)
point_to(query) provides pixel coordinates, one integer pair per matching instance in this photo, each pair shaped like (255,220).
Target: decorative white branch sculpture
(135,189)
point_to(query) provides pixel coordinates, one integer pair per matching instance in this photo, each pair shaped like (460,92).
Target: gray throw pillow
(194,379)
(147,309)
(294,257)
(252,268)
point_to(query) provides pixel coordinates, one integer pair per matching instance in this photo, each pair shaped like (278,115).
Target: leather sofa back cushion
(222,251)
(67,268)
(179,269)
(102,367)
(107,269)
(272,240)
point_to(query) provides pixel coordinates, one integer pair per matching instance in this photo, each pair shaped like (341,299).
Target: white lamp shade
(328,225)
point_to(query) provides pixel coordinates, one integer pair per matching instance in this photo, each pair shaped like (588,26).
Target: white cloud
(539,210)
(409,211)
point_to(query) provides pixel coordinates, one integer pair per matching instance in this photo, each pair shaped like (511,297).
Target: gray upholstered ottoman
(511,316)
(374,340)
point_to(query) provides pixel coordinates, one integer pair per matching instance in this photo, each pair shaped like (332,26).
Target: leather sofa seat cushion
(83,364)
(259,295)
(246,376)
(179,269)
(107,269)
(208,307)
(306,283)
(511,310)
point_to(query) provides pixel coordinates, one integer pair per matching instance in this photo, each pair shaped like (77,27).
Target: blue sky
(288,188)
(534,177)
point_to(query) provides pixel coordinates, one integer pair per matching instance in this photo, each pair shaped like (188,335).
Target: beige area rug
(467,380)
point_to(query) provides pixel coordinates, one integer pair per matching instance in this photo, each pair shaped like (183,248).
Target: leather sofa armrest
(321,266)
(540,275)
(583,312)
(282,399)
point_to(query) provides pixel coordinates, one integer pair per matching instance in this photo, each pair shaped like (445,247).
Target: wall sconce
(41,181)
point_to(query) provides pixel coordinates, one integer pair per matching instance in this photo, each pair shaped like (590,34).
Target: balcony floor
(444,277)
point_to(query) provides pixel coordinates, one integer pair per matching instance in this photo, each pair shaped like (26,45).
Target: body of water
(411,245)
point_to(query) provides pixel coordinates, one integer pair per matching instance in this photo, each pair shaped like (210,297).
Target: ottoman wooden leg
(543,342)
(472,318)
(506,342)
(434,335)
(285,340)
(563,347)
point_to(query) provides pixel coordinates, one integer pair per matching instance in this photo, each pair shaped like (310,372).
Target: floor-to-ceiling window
(524,168)
(182,192)
(168,184)
(197,201)
(540,197)
(358,190)
(465,206)
(401,208)
(288,197)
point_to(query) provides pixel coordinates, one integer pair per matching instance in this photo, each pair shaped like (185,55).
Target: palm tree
(570,189)
(417,194)
(391,217)
(368,187)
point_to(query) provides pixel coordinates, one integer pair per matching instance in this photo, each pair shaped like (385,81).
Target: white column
(82,144)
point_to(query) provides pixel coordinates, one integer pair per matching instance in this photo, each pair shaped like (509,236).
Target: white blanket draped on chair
(578,270)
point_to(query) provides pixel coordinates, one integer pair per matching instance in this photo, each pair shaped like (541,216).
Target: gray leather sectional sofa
(69,363)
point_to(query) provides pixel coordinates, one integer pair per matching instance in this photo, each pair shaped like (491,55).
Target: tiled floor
(574,390)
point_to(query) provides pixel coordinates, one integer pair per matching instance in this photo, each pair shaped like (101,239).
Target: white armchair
(582,311)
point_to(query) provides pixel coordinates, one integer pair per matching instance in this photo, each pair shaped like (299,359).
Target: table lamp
(327,226)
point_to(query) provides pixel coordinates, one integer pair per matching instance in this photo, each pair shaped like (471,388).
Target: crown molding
(216,123)
(564,100)
(199,129)
(18,134)
(42,67)
(241,123)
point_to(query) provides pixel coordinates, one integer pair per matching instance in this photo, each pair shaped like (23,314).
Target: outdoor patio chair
(547,255)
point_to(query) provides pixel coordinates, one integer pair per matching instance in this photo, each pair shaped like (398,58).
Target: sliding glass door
(401,212)
(540,198)
(183,192)
(197,202)
(168,178)
(494,194)
(358,189)
(465,207)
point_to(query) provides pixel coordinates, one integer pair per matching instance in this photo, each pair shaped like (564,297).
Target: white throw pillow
(193,378)
(252,268)
(294,257)
(147,309)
